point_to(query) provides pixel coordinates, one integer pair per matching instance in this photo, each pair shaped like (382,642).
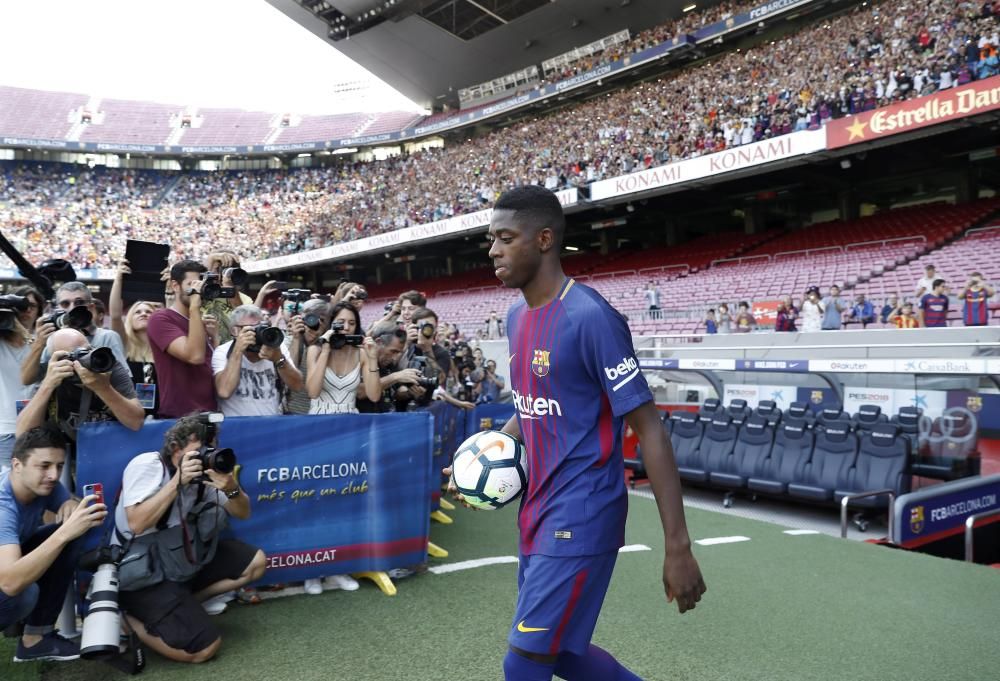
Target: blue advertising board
(329,494)
(941,510)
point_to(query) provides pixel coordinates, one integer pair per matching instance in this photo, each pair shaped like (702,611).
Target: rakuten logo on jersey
(627,366)
(530,407)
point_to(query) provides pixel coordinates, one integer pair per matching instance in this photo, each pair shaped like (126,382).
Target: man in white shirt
(926,284)
(250,377)
(157,487)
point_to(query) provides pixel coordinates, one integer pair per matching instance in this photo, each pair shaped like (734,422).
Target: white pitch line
(500,560)
(712,541)
(469,564)
(798,533)
(632,548)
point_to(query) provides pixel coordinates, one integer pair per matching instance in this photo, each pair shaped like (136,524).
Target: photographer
(492,385)
(181,350)
(395,383)
(307,322)
(79,380)
(252,370)
(158,489)
(13,349)
(422,332)
(77,311)
(37,562)
(340,373)
(225,268)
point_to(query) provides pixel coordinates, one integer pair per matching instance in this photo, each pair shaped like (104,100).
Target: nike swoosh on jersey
(529,630)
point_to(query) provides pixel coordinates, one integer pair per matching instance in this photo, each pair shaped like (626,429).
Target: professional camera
(9,306)
(297,295)
(78,318)
(426,328)
(428,383)
(102,626)
(211,421)
(212,289)
(265,334)
(98,360)
(339,339)
(221,460)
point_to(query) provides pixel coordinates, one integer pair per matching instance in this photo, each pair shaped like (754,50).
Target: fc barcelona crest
(540,363)
(974,403)
(817,396)
(917,519)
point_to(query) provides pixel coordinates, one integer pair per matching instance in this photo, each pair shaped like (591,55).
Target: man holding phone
(36,561)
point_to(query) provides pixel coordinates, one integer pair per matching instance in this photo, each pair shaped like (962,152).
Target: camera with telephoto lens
(265,334)
(428,383)
(78,318)
(339,339)
(10,305)
(98,360)
(221,460)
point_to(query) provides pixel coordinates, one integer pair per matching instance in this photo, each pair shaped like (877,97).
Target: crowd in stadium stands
(652,37)
(870,57)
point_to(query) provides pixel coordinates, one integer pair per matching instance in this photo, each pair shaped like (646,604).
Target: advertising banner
(711,165)
(740,391)
(880,397)
(329,494)
(972,99)
(940,511)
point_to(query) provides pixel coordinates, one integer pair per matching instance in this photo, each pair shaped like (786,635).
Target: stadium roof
(428,49)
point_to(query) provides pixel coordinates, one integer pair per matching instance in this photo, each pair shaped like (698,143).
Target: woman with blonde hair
(132,328)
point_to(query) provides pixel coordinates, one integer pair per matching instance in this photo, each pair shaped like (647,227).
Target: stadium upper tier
(875,55)
(755,268)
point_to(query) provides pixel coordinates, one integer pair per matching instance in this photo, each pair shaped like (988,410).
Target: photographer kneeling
(86,384)
(158,489)
(37,561)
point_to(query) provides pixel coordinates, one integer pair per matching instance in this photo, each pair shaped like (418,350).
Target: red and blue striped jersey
(935,310)
(574,375)
(976,307)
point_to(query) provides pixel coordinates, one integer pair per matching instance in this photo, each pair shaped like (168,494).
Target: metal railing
(807,251)
(884,242)
(981,229)
(970,526)
(765,256)
(845,502)
(665,268)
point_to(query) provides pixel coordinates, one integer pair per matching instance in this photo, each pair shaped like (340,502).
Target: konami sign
(730,160)
(948,105)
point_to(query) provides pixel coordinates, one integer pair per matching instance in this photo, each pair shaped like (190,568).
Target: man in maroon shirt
(181,349)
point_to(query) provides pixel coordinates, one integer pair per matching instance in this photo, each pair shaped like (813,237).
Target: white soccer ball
(490,469)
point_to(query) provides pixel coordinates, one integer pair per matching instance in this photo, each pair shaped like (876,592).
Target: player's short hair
(45,436)
(937,282)
(535,207)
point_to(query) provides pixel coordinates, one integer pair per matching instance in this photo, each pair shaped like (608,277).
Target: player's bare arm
(682,578)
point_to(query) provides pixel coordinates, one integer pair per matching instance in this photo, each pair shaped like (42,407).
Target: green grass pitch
(800,608)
